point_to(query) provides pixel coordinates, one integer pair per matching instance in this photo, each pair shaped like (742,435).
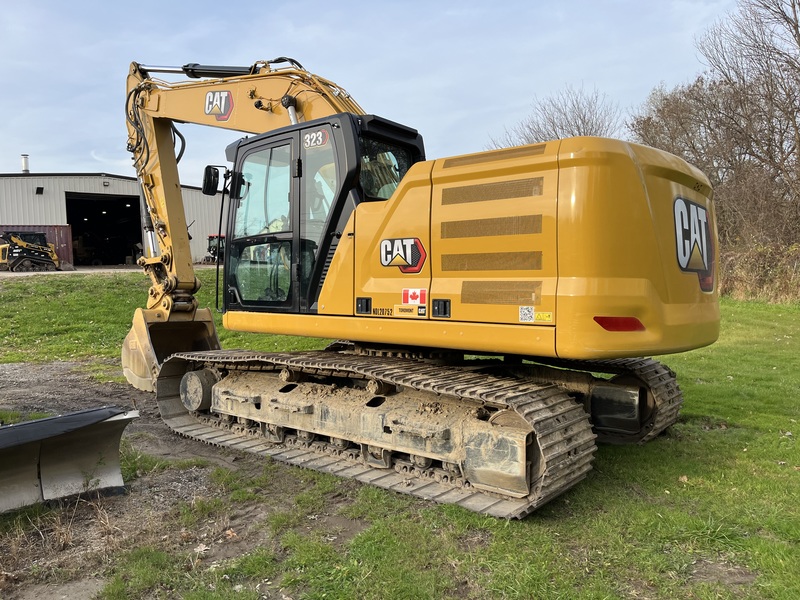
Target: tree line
(738,121)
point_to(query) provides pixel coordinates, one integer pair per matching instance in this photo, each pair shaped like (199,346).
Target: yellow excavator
(493,311)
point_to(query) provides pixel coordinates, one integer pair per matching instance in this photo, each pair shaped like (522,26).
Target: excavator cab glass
(383,165)
(261,254)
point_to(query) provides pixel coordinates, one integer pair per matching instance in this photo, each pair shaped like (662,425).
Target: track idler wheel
(196,389)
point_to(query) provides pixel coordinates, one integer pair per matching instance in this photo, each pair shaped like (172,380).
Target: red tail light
(706,281)
(706,278)
(620,323)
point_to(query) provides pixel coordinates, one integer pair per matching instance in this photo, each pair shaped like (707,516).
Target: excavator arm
(255,99)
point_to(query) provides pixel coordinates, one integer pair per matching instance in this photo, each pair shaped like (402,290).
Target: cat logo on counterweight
(693,242)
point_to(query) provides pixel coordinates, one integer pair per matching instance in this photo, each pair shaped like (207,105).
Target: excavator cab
(293,192)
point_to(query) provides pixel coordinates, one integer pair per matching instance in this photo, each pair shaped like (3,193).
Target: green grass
(87,316)
(134,464)
(240,487)
(66,318)
(146,572)
(11,417)
(708,510)
(311,496)
(149,572)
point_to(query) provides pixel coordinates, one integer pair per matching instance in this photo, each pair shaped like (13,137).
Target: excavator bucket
(61,456)
(151,341)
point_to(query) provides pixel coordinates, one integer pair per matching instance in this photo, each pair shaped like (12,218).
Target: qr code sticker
(526,314)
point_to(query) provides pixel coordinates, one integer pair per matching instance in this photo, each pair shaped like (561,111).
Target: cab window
(261,251)
(264,205)
(320,184)
(383,165)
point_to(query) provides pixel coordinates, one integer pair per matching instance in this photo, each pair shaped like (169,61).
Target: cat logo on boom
(408,254)
(692,236)
(219,104)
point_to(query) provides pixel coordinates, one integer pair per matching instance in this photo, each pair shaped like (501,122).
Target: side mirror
(210,181)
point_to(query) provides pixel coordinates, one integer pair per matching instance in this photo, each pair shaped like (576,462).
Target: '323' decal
(315,139)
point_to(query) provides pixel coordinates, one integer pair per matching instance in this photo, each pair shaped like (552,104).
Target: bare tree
(569,112)
(700,122)
(739,121)
(686,121)
(756,51)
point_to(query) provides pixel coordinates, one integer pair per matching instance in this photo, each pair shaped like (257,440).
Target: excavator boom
(253,99)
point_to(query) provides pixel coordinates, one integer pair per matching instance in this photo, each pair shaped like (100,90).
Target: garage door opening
(106,229)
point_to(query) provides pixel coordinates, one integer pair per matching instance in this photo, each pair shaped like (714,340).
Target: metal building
(94,218)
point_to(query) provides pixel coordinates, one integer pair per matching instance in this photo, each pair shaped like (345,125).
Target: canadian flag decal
(415,296)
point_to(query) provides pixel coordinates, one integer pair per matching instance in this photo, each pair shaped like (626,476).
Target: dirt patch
(68,553)
(722,573)
(86,588)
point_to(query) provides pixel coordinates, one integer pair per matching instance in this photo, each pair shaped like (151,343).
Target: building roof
(42,175)
(19,174)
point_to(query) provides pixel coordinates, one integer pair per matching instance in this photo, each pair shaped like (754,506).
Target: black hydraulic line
(179,135)
(286,59)
(219,236)
(196,71)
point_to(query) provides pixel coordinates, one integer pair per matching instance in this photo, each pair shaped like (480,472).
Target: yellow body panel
(405,216)
(528,245)
(338,299)
(617,253)
(479,337)
(494,233)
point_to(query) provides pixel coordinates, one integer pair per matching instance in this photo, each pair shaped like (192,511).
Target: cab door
(288,190)
(261,261)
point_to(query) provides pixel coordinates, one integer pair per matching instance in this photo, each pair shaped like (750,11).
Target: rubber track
(657,377)
(562,428)
(37,265)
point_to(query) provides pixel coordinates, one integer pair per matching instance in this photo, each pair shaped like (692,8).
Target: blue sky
(459,72)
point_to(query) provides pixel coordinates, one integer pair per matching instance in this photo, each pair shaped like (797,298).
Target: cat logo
(219,104)
(692,236)
(408,254)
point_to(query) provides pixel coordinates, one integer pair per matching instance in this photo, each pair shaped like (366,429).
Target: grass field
(711,509)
